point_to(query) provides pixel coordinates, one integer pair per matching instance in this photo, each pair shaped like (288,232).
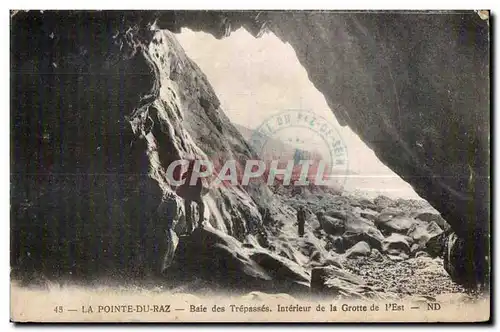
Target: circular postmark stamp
(303,148)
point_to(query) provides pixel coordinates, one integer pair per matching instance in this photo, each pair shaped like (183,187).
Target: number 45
(58,309)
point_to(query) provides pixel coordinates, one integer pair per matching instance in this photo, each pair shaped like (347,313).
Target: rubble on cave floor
(406,272)
(421,276)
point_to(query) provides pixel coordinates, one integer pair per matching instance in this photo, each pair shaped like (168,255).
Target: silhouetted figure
(301,220)
(191,193)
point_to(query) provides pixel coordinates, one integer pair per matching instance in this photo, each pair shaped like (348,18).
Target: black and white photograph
(248,166)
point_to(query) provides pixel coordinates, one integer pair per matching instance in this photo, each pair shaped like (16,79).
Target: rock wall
(97,115)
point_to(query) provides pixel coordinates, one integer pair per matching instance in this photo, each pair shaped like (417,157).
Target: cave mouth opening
(257,79)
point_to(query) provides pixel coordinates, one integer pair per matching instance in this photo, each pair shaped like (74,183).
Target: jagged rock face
(97,116)
(79,175)
(397,246)
(359,249)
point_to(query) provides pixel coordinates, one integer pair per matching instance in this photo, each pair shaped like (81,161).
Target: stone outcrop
(421,233)
(397,246)
(397,224)
(433,217)
(359,249)
(359,229)
(331,225)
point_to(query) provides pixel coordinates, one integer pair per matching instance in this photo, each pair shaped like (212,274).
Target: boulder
(213,255)
(359,249)
(367,204)
(359,229)
(387,214)
(389,222)
(414,248)
(335,243)
(382,202)
(460,264)
(399,224)
(432,217)
(331,225)
(396,246)
(422,232)
(364,204)
(310,251)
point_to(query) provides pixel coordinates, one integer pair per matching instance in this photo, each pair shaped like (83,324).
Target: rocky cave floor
(406,266)
(377,249)
(416,279)
(374,249)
